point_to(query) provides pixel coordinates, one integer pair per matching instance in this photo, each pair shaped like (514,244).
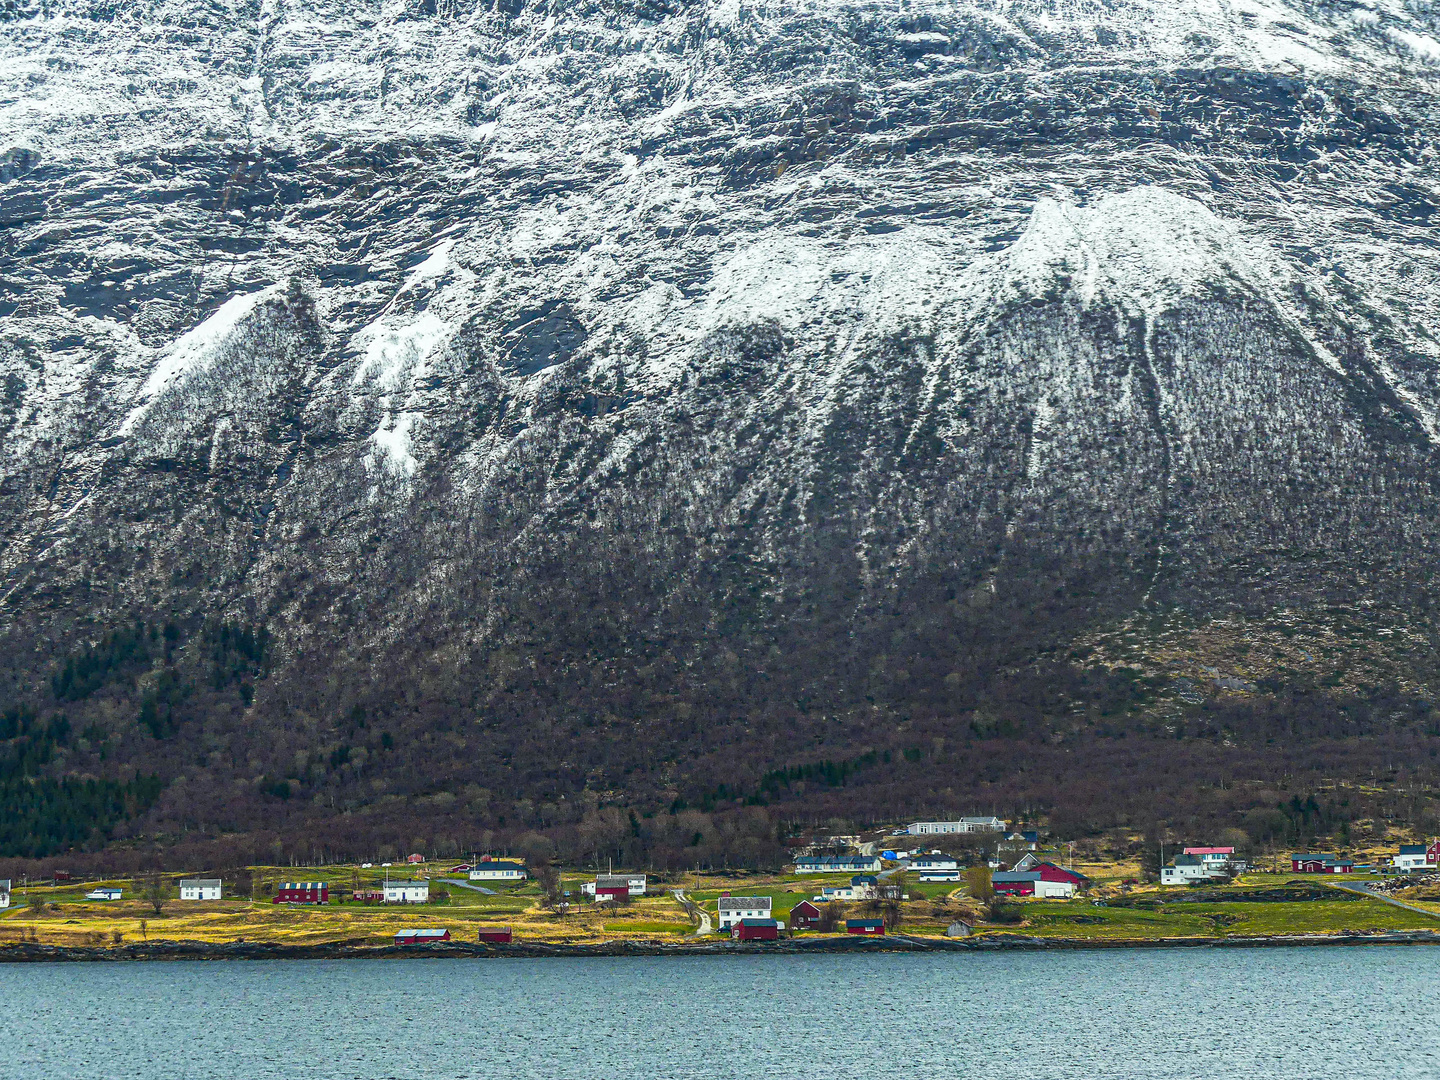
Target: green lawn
(1180,919)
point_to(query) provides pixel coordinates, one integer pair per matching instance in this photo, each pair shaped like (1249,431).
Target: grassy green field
(1180,919)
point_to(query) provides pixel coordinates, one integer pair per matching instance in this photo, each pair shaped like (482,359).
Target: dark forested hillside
(648,431)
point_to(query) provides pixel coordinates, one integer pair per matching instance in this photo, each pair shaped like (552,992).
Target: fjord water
(1276,1013)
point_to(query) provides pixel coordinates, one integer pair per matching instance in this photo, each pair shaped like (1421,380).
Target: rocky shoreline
(33,952)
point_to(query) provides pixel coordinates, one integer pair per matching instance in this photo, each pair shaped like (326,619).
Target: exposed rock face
(575,384)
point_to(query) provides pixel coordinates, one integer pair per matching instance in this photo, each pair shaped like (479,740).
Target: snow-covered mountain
(578,370)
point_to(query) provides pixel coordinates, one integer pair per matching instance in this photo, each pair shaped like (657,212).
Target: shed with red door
(302,892)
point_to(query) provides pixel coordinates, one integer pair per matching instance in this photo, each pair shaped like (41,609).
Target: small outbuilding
(867,927)
(421,937)
(496,935)
(804,916)
(755,930)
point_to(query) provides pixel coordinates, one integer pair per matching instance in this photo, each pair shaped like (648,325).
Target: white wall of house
(4,899)
(1419,861)
(490,873)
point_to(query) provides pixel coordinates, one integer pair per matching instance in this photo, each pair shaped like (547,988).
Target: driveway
(1365,890)
(696,912)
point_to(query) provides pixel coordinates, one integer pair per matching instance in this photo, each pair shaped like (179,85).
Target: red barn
(611,894)
(302,892)
(368,896)
(1049,871)
(755,930)
(804,916)
(868,927)
(500,935)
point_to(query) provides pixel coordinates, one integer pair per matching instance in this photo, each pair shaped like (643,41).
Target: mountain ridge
(573,394)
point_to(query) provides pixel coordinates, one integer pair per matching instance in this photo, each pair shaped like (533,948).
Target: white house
(407,892)
(1417,857)
(200,889)
(861,887)
(964,825)
(838,864)
(104,894)
(4,893)
(498,870)
(1214,858)
(1188,868)
(734,908)
(634,882)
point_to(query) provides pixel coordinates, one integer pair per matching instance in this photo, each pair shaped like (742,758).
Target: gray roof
(201,883)
(406,884)
(1008,878)
(611,881)
(736,902)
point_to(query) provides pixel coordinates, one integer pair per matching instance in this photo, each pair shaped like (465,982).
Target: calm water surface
(1284,1013)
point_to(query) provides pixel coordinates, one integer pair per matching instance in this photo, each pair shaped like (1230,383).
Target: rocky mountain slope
(494,413)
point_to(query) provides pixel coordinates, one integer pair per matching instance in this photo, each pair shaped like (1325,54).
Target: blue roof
(864,922)
(1032,875)
(759,922)
(1413,849)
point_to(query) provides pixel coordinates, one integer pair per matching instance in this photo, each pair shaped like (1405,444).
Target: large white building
(964,825)
(407,892)
(837,864)
(634,882)
(200,889)
(734,908)
(498,870)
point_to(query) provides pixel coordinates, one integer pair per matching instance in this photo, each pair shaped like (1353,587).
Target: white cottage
(407,892)
(200,889)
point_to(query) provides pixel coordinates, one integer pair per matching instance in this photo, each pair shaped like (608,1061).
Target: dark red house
(368,896)
(755,930)
(500,935)
(804,916)
(611,894)
(302,892)
(868,927)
